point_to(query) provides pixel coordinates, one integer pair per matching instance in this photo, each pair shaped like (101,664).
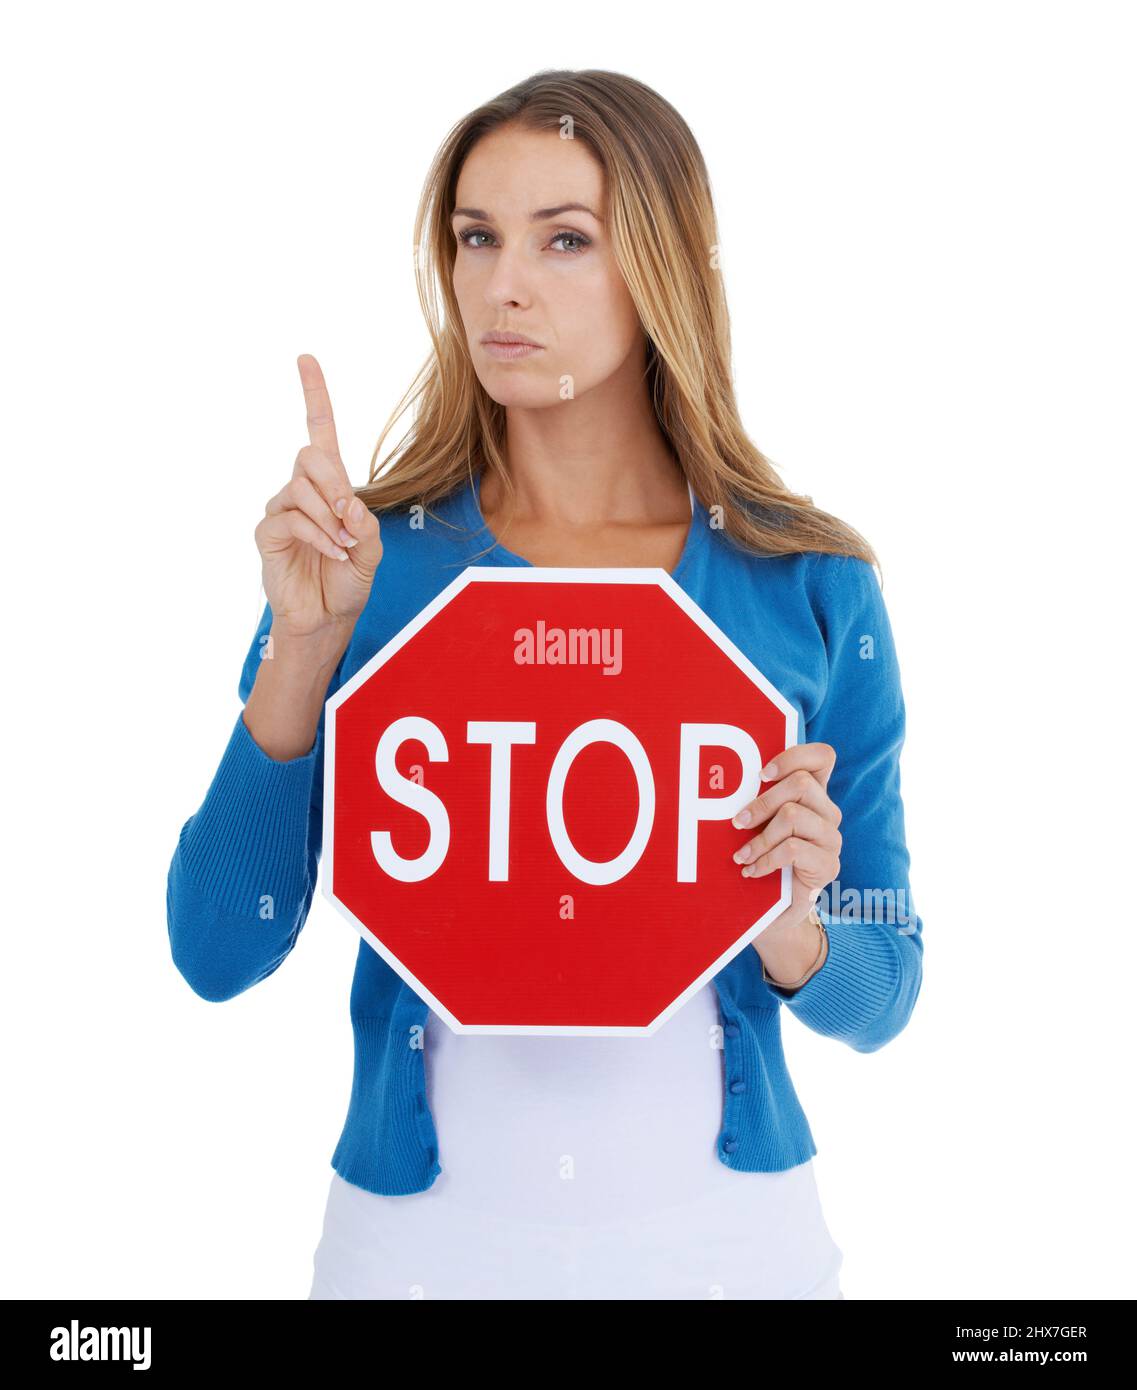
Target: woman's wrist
(792,955)
(284,706)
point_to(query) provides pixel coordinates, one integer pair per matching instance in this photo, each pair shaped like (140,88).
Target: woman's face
(526,264)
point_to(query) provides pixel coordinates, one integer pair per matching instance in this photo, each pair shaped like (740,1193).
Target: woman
(578,404)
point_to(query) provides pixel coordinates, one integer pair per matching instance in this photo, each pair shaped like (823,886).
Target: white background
(927,234)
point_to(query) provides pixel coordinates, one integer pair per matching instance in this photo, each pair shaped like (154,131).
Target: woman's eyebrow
(541,215)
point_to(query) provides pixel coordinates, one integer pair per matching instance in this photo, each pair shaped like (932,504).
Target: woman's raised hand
(319,544)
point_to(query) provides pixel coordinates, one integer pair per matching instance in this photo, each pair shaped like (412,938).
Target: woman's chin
(518,394)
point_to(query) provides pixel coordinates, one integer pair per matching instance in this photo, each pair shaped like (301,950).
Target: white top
(581,1167)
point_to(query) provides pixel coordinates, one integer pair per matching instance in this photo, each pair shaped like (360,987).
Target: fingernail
(770,770)
(356,512)
(340,554)
(741,820)
(340,505)
(347,538)
(741,856)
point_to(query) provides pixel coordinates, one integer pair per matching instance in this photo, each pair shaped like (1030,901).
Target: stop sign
(528,794)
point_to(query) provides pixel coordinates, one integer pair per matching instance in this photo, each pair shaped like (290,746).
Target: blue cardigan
(815,625)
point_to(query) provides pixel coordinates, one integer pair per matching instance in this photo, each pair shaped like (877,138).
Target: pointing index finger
(321,422)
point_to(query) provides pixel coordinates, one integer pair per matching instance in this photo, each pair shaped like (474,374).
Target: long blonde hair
(661,221)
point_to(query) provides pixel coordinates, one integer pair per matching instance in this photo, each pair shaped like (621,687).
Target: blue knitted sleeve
(865,992)
(241,880)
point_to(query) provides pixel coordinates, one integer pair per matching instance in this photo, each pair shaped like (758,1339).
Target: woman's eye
(468,233)
(572,236)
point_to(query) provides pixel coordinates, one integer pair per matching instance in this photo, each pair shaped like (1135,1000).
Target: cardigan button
(732,1030)
(729,1145)
(738,1086)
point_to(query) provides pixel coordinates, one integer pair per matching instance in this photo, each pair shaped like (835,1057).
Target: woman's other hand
(801,829)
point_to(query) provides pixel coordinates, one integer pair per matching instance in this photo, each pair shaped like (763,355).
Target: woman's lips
(508,351)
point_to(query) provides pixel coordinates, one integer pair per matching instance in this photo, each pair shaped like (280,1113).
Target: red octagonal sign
(528,795)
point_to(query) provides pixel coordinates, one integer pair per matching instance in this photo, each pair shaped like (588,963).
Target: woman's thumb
(364,526)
